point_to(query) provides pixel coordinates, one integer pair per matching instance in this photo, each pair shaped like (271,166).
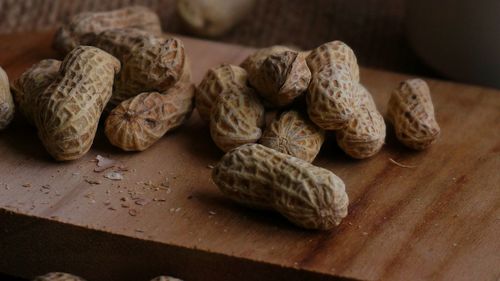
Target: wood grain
(437,221)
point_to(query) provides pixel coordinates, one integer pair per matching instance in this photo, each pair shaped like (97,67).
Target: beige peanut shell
(411,112)
(165,278)
(68,111)
(149,63)
(237,118)
(218,80)
(137,123)
(294,134)
(6,101)
(365,133)
(335,75)
(279,74)
(85,24)
(58,276)
(258,176)
(32,83)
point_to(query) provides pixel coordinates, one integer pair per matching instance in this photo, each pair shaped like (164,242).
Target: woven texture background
(373,28)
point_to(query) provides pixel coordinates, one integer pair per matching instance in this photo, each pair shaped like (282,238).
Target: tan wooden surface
(439,220)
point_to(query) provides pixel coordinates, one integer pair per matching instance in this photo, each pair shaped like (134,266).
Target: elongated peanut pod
(68,111)
(70,35)
(411,111)
(364,135)
(258,176)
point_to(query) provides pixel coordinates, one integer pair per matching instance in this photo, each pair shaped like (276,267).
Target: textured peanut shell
(411,112)
(219,80)
(58,276)
(212,18)
(137,123)
(258,176)
(6,101)
(279,74)
(294,134)
(149,63)
(84,24)
(364,135)
(334,52)
(32,83)
(68,111)
(236,118)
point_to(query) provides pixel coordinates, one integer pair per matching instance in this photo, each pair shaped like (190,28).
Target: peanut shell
(137,123)
(58,276)
(6,101)
(364,135)
(295,135)
(236,118)
(411,112)
(217,81)
(68,111)
(85,24)
(258,176)
(32,83)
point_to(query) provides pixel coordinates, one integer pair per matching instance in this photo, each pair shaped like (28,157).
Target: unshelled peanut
(70,35)
(364,135)
(236,118)
(68,111)
(6,101)
(411,112)
(165,278)
(258,176)
(218,80)
(32,84)
(335,75)
(278,73)
(137,123)
(294,134)
(149,63)
(58,276)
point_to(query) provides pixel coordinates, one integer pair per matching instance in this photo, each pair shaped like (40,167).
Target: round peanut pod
(70,35)
(218,80)
(32,83)
(258,176)
(68,111)
(58,276)
(149,63)
(6,101)
(364,135)
(294,134)
(236,118)
(165,278)
(411,112)
(212,18)
(279,74)
(137,123)
(335,74)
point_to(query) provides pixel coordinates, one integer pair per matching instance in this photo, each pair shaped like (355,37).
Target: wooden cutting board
(436,219)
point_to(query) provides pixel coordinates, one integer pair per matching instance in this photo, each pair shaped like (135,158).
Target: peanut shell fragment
(411,112)
(258,176)
(294,134)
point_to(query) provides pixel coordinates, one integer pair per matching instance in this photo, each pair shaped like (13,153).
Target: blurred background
(454,39)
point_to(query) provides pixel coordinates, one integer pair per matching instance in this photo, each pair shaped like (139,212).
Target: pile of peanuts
(120,63)
(313,91)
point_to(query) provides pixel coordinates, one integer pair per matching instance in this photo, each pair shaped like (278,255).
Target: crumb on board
(401,165)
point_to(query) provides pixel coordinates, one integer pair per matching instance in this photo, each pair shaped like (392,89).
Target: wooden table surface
(438,220)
